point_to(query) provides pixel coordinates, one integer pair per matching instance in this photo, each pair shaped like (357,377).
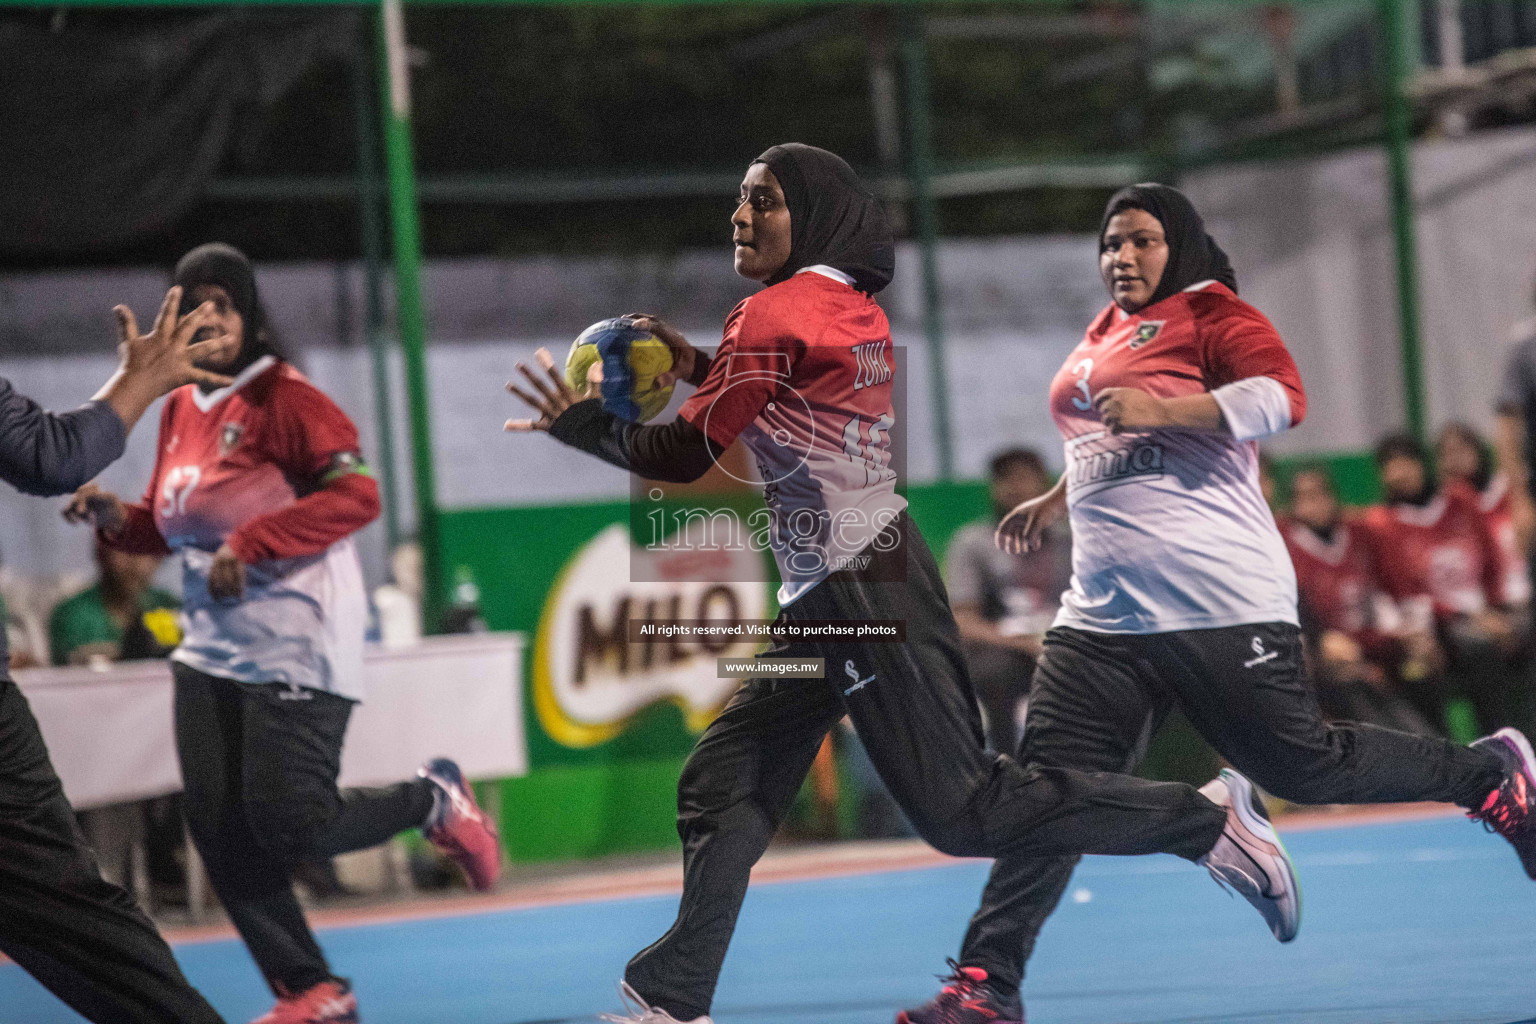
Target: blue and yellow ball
(623,361)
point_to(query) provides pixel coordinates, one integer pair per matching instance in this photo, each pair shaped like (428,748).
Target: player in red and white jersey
(259,485)
(1183,593)
(1462,454)
(803,377)
(1356,637)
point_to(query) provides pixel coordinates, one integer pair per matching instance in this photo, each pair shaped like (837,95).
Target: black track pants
(913,708)
(1097,698)
(260,763)
(82,937)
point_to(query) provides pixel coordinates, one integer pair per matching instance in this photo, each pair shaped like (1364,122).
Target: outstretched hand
(164,359)
(549,398)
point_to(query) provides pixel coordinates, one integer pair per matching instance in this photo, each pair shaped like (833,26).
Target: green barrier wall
(619,796)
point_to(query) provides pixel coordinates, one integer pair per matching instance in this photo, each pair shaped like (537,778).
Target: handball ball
(623,360)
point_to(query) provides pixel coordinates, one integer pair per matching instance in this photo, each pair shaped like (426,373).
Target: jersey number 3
(1083,369)
(179,484)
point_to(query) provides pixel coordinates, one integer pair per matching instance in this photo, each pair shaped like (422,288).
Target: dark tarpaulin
(110,133)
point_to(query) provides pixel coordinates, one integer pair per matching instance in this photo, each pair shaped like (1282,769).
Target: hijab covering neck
(218,264)
(1193,255)
(834,220)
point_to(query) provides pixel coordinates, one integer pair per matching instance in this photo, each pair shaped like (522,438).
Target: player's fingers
(127,326)
(213,348)
(538,384)
(216,380)
(539,404)
(524,426)
(548,362)
(168,307)
(188,326)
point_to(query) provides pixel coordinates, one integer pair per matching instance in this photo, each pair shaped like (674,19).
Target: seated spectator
(1439,561)
(1349,627)
(1462,454)
(121,617)
(1002,602)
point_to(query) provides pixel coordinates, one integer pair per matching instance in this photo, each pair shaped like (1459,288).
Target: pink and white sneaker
(459,829)
(330,1002)
(1510,810)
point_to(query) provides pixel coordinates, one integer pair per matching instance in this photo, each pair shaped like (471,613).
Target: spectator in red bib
(260,485)
(1353,634)
(1462,454)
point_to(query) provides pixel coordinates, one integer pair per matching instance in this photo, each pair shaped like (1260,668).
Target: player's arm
(1255,388)
(44,454)
(315,444)
(121,525)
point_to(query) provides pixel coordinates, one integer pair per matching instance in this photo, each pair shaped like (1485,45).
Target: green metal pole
(914,57)
(368,183)
(405,219)
(1395,21)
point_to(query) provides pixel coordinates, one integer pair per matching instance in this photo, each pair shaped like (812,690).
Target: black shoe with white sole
(1249,858)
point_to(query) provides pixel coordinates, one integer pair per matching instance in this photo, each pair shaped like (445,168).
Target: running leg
(254,887)
(733,793)
(1244,690)
(1089,709)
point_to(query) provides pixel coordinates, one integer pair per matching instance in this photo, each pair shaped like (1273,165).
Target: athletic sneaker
(1508,809)
(966,998)
(459,828)
(1250,858)
(330,1002)
(638,1011)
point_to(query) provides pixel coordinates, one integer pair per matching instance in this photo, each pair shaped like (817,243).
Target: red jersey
(269,466)
(1169,528)
(804,377)
(1444,552)
(1514,570)
(1337,583)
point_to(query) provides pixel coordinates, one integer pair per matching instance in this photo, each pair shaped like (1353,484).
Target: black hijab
(228,267)
(833,219)
(1193,255)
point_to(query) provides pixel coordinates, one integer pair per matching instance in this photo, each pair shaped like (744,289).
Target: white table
(110,732)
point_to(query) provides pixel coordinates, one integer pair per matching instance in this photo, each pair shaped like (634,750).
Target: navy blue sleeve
(43,453)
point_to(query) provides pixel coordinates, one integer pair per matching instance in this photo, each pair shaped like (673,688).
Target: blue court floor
(1424,922)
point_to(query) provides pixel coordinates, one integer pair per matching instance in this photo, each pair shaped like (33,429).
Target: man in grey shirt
(1002,602)
(84,938)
